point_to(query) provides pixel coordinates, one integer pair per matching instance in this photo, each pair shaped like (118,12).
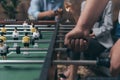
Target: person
(115,57)
(44,9)
(26,41)
(3,29)
(15,36)
(77,39)
(3,50)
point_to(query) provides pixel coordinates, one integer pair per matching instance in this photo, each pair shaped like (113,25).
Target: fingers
(77,45)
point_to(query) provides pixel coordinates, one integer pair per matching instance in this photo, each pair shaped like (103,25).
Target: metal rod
(30,32)
(75,62)
(29,49)
(21,61)
(60,49)
(24,35)
(29,28)
(37,41)
(19,41)
(12,26)
(35,52)
(56,62)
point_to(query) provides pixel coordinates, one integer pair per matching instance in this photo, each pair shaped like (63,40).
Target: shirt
(15,34)
(37,6)
(26,39)
(3,38)
(3,30)
(102,28)
(36,35)
(32,30)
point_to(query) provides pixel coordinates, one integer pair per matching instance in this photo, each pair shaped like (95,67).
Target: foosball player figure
(3,29)
(25,25)
(35,36)
(32,29)
(15,36)
(26,42)
(3,50)
(3,37)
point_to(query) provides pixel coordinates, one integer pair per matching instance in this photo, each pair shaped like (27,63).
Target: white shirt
(25,24)
(15,34)
(3,49)
(36,35)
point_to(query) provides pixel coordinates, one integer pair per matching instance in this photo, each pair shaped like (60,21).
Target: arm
(115,58)
(34,10)
(85,23)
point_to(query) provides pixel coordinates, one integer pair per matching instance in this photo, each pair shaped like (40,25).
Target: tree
(10,7)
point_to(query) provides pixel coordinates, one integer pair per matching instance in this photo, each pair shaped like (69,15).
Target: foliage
(10,7)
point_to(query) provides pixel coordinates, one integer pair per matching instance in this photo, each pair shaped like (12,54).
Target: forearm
(91,13)
(42,15)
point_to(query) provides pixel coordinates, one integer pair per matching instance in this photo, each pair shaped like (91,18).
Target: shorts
(15,38)
(95,49)
(36,38)
(26,44)
(3,33)
(3,54)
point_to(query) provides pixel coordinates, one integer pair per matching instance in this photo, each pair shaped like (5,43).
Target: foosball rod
(100,62)
(41,28)
(38,49)
(36,41)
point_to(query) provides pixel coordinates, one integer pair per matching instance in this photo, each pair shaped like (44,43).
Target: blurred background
(17,9)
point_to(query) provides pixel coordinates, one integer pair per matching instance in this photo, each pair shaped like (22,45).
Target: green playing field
(24,71)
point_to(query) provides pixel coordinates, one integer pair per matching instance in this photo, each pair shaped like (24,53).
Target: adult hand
(115,59)
(76,39)
(49,13)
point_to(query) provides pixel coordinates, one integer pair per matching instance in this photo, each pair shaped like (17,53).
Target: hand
(115,59)
(49,13)
(92,35)
(58,11)
(76,39)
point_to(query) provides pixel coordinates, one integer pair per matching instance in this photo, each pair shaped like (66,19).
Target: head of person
(15,29)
